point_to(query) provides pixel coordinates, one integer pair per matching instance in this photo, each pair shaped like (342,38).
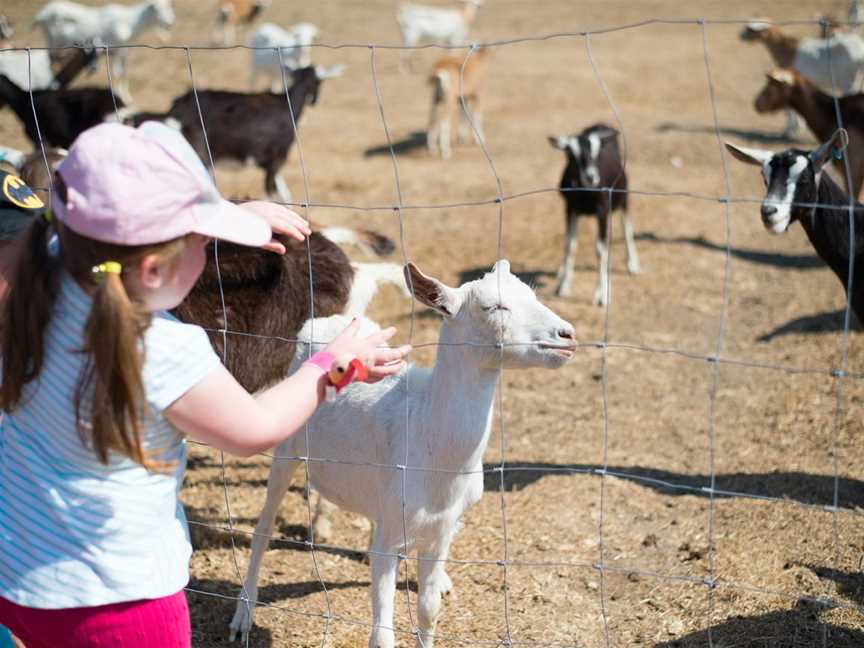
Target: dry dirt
(592,560)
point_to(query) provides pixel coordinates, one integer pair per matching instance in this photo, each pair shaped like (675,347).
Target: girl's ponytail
(28,310)
(111,386)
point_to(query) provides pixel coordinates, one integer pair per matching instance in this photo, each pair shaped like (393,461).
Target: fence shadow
(795,628)
(779,260)
(827,322)
(749,135)
(416,140)
(800,487)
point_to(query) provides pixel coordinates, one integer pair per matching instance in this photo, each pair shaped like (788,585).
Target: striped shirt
(75,532)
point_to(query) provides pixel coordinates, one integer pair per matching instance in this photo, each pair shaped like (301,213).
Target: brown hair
(113,334)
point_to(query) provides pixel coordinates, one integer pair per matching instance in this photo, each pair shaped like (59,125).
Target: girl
(100,386)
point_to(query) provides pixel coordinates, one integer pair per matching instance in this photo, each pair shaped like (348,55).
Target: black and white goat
(240,126)
(798,190)
(594,167)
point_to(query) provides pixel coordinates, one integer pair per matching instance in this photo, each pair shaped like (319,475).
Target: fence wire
(712,583)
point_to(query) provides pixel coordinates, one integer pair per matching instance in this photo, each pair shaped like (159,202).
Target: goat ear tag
(19,194)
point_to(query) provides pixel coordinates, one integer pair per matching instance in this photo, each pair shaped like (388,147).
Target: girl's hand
(281,220)
(380,360)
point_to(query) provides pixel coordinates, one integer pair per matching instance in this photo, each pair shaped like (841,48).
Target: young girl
(100,387)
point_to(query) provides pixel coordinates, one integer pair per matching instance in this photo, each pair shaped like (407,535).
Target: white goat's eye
(495,307)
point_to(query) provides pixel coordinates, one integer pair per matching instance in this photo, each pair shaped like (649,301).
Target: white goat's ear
(431,292)
(329,72)
(781,75)
(834,146)
(606,132)
(502,265)
(749,155)
(558,141)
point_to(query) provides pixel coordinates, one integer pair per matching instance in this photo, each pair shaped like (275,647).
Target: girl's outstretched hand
(380,360)
(281,220)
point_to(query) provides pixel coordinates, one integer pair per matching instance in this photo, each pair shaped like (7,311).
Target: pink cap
(136,186)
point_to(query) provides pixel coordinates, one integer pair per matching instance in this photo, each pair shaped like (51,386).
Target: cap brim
(229,222)
(14,221)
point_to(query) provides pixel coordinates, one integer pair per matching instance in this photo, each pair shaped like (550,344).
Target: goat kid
(233,13)
(594,167)
(446,104)
(449,26)
(788,89)
(268,41)
(492,323)
(797,189)
(112,25)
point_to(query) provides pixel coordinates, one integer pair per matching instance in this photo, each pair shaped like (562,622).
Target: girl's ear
(150,273)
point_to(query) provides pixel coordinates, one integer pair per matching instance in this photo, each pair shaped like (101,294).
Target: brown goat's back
(266,295)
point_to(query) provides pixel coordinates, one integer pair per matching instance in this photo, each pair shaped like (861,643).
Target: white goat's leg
(322,525)
(444,138)
(432,582)
(120,80)
(432,132)
(281,472)
(633,266)
(791,123)
(282,188)
(601,293)
(384,570)
(571,243)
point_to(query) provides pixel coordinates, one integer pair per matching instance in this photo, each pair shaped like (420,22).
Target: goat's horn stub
(503,265)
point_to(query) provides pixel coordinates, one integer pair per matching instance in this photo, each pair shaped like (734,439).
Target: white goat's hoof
(634,268)
(382,638)
(600,298)
(562,290)
(242,621)
(446,585)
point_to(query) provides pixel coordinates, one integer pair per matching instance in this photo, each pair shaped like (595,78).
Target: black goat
(798,190)
(593,167)
(65,113)
(241,126)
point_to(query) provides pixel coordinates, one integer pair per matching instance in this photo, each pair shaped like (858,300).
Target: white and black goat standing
(798,190)
(594,167)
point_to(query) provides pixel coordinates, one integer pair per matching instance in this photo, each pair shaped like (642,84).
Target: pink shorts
(162,622)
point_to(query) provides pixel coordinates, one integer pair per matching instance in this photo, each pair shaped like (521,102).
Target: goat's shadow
(779,260)
(749,135)
(817,490)
(800,626)
(416,140)
(849,584)
(827,322)
(212,603)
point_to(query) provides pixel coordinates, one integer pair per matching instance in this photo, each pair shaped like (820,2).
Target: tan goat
(446,104)
(233,13)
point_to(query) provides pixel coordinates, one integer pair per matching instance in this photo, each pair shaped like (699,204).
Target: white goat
(443,25)
(359,443)
(295,44)
(112,25)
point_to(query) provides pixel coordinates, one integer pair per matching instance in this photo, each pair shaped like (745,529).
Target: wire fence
(839,374)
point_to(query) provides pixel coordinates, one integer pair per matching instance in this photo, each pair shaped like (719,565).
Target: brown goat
(788,89)
(236,12)
(446,104)
(265,294)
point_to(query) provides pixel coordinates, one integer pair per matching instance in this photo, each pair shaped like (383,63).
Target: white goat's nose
(567,332)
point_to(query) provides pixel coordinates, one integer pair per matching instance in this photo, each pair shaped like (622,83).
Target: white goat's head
(162,13)
(791,179)
(497,309)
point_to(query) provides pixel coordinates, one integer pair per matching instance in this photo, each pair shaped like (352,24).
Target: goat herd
(361,446)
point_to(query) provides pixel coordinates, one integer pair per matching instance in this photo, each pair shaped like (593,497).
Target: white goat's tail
(367,278)
(367,240)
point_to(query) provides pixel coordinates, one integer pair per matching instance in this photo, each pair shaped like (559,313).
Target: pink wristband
(321,360)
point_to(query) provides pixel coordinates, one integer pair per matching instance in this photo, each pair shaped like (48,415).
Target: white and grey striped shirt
(75,532)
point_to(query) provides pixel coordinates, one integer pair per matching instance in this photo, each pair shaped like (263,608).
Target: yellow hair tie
(112,267)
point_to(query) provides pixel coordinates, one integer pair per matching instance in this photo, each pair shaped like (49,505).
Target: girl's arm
(219,412)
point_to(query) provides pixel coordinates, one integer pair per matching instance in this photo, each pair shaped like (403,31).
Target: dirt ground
(625,558)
